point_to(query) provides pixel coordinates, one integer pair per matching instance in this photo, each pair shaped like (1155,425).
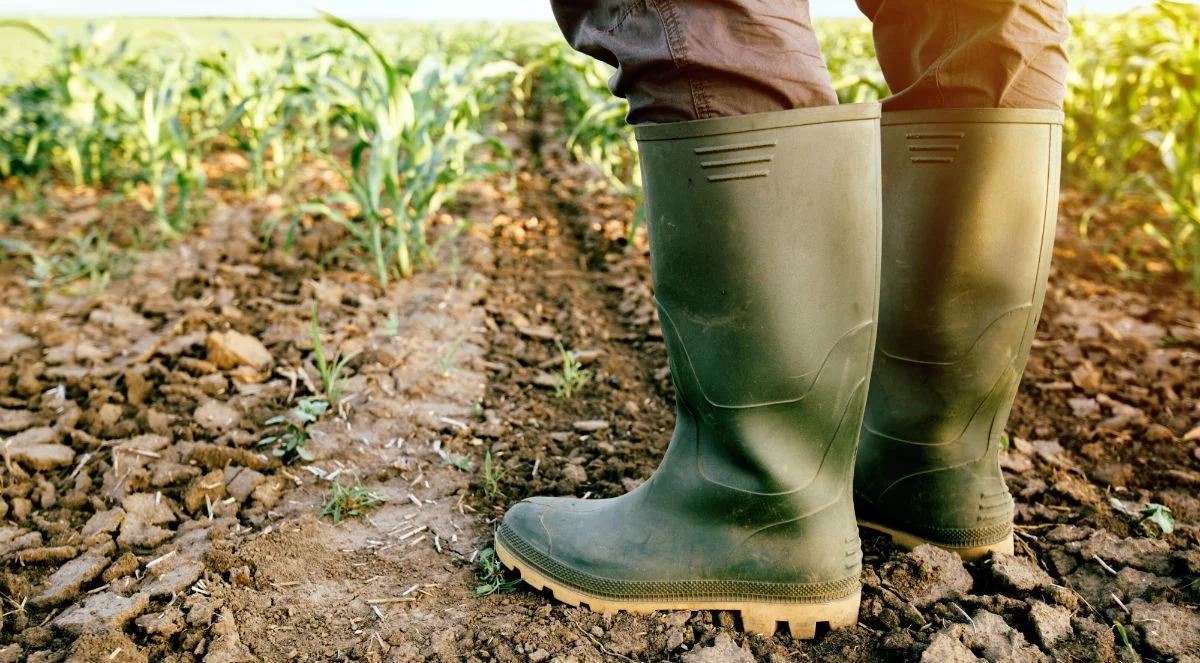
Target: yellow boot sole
(762,617)
(969,554)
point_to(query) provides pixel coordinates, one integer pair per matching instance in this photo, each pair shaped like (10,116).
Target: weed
(459,462)
(490,572)
(1160,516)
(492,473)
(446,361)
(1150,514)
(352,502)
(90,260)
(1125,640)
(573,377)
(290,444)
(330,368)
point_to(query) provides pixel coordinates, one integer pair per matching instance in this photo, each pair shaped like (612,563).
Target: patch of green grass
(75,265)
(290,444)
(491,576)
(352,502)
(573,377)
(330,368)
(459,462)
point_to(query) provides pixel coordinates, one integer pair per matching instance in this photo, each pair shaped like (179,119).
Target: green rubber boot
(970,200)
(764,235)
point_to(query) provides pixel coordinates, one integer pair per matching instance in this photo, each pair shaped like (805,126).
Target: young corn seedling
(490,572)
(330,368)
(352,502)
(492,473)
(573,377)
(290,444)
(446,361)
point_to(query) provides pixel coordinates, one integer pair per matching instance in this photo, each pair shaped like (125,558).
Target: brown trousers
(683,60)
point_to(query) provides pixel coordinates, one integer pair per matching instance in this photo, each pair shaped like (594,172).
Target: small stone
(1050,623)
(67,582)
(46,554)
(161,624)
(105,645)
(125,565)
(13,539)
(107,609)
(992,639)
(144,512)
(11,653)
(11,343)
(574,474)
(226,645)
(267,494)
(101,525)
(590,425)
(33,436)
(1168,630)
(14,421)
(723,650)
(597,631)
(42,457)
(215,456)
(175,579)
(240,482)
(928,574)
(217,416)
(166,473)
(231,349)
(208,489)
(239,576)
(539,656)
(200,610)
(945,648)
(21,508)
(1018,574)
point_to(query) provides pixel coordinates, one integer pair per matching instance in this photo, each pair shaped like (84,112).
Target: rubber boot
(970,200)
(764,237)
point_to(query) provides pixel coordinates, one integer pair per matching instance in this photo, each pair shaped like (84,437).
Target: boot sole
(762,617)
(969,553)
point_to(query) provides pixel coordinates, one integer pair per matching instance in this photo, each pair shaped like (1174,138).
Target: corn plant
(412,139)
(329,368)
(1131,122)
(170,152)
(573,377)
(69,110)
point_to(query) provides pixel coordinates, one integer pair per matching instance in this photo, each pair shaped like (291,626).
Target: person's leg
(764,250)
(679,61)
(971,141)
(971,53)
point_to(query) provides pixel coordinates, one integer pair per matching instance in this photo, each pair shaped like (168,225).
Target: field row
(404,120)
